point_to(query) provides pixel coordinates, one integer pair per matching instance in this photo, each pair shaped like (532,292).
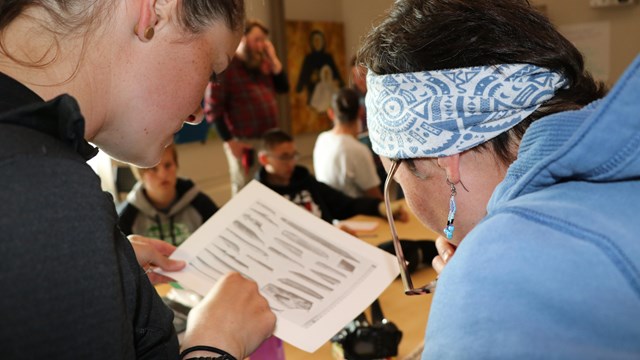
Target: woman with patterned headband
(493,128)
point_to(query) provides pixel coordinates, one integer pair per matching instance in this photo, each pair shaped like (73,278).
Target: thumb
(167,264)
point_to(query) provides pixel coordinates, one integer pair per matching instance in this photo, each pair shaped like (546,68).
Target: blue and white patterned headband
(444,112)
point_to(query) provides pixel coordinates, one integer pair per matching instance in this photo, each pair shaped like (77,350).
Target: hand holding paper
(315,277)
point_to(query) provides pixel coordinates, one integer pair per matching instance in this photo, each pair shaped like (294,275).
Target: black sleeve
(281,82)
(222,129)
(343,206)
(76,289)
(205,206)
(126,216)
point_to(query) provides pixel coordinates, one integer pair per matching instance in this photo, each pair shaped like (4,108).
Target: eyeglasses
(286,157)
(404,272)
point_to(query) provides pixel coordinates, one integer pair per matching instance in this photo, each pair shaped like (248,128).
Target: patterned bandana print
(444,112)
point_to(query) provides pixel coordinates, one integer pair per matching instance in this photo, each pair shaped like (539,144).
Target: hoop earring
(148,32)
(448,230)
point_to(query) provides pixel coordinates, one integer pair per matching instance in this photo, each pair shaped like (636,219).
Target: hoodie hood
(599,143)
(186,191)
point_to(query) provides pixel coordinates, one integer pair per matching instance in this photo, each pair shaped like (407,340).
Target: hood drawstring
(173,234)
(157,218)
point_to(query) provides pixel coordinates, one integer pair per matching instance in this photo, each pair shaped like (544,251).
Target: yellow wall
(359,15)
(624,27)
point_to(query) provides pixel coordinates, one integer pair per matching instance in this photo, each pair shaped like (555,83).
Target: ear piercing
(148,32)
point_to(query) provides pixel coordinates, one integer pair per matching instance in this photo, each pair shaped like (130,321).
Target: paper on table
(316,277)
(356,225)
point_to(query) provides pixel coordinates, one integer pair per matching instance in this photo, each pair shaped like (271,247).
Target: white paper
(316,277)
(356,225)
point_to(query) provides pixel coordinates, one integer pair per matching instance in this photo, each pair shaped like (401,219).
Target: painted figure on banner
(319,73)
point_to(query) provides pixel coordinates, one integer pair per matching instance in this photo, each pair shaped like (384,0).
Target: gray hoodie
(175,224)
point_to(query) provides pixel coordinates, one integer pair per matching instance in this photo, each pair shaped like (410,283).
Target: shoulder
(358,147)
(513,280)
(326,138)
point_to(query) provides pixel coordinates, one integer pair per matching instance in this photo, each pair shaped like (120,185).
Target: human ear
(145,27)
(164,11)
(263,158)
(451,166)
(331,114)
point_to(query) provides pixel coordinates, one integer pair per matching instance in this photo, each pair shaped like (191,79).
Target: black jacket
(72,288)
(320,198)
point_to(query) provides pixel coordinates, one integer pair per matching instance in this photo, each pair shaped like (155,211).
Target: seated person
(163,206)
(339,159)
(279,172)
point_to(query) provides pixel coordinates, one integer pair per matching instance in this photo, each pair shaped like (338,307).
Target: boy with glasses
(279,171)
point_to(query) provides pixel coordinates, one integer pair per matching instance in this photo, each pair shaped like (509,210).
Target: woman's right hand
(233,317)
(445,252)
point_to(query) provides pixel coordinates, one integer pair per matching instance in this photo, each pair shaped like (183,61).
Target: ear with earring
(148,32)
(448,230)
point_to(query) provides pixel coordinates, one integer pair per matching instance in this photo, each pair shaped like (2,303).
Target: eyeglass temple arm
(406,280)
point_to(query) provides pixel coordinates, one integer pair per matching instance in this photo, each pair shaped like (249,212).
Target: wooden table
(409,313)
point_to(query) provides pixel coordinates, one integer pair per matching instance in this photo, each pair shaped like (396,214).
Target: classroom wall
(259,9)
(624,24)
(359,16)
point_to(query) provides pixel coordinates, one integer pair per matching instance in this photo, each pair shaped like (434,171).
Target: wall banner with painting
(316,66)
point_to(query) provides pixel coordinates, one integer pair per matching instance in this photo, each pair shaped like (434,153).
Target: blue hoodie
(552,272)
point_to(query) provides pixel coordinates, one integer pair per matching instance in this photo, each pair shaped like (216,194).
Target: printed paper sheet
(316,277)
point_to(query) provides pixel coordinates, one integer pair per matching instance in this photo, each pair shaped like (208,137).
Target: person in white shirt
(339,159)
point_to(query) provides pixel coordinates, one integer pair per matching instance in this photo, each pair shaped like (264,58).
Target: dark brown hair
(274,137)
(422,35)
(346,104)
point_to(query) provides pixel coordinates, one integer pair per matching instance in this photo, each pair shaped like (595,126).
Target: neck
(278,180)
(161,201)
(58,68)
(346,129)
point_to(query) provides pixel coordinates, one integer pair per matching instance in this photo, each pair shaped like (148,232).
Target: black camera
(361,340)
